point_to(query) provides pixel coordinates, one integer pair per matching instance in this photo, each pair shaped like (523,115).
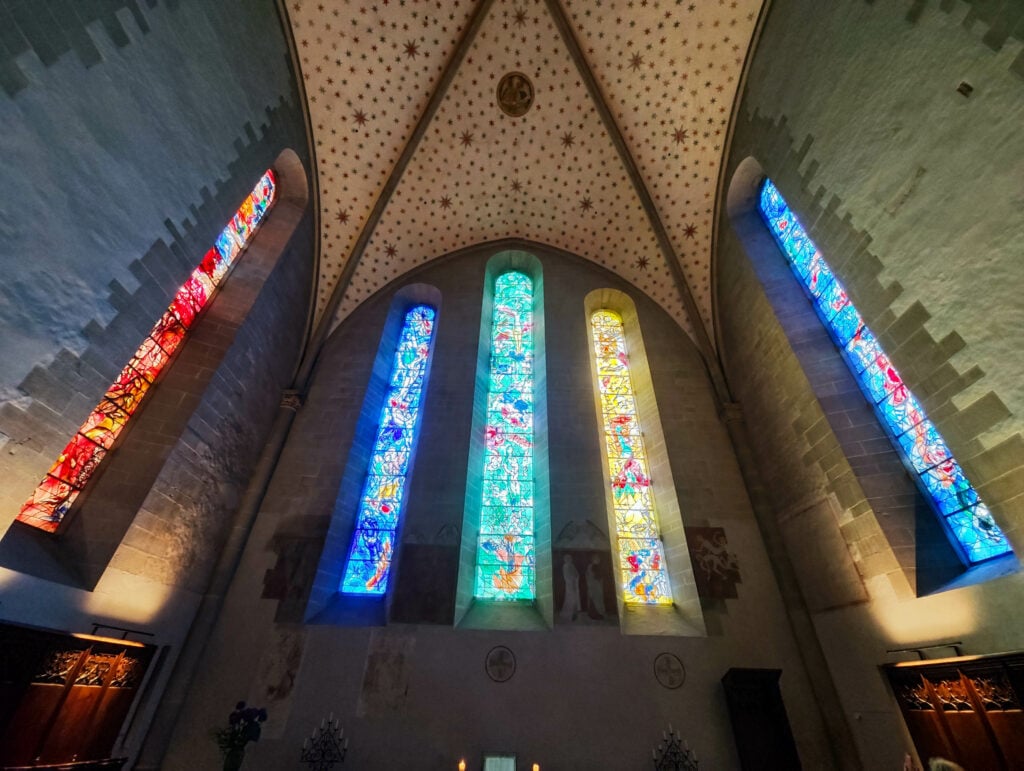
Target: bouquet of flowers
(243,727)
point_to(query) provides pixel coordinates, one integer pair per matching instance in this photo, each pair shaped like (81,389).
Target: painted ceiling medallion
(515,94)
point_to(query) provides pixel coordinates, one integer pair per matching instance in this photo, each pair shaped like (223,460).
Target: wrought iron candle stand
(327,747)
(674,754)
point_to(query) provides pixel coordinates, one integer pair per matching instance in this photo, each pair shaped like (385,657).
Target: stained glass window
(79,459)
(506,562)
(965,515)
(380,506)
(641,554)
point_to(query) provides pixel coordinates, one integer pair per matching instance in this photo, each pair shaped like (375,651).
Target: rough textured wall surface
(120,167)
(120,170)
(932,177)
(912,192)
(417,695)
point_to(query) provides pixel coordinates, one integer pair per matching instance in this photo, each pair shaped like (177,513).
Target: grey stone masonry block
(977,418)
(996,461)
(906,324)
(921,362)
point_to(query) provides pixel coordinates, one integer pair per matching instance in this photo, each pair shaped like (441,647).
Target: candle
(536,767)
(462,765)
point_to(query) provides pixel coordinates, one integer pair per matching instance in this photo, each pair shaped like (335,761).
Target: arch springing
(966,517)
(80,458)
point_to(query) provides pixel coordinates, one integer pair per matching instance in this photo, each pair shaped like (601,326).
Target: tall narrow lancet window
(380,506)
(79,460)
(638,538)
(505,563)
(965,516)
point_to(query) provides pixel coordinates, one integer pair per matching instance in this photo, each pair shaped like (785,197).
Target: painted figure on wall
(571,605)
(585,595)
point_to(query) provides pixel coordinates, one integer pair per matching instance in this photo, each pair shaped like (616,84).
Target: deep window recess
(77,462)
(964,514)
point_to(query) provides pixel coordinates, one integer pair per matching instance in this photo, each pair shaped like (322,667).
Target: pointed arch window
(94,440)
(644,576)
(370,554)
(506,560)
(965,516)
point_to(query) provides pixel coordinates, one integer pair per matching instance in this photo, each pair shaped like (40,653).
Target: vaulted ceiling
(617,160)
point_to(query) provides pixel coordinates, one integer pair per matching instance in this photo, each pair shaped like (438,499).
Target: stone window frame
(684,617)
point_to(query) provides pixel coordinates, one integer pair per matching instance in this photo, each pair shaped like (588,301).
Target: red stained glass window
(127,391)
(168,332)
(149,359)
(77,461)
(49,503)
(104,424)
(53,497)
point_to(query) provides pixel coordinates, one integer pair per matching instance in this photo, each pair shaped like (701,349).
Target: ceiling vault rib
(312,173)
(436,97)
(723,168)
(668,251)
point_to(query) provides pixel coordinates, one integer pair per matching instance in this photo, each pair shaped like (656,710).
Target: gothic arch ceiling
(667,69)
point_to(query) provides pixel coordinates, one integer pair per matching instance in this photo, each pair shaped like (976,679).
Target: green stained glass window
(506,562)
(641,554)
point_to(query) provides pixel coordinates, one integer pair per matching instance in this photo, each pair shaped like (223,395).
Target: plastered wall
(416,694)
(907,187)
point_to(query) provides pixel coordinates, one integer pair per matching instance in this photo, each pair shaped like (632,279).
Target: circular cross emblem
(669,670)
(515,94)
(500,664)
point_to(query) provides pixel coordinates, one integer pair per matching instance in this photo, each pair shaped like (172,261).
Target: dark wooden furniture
(965,709)
(63,698)
(760,725)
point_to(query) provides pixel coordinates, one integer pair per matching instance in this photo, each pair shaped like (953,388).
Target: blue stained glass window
(966,517)
(505,561)
(369,558)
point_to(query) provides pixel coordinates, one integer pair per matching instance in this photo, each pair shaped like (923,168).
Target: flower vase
(233,759)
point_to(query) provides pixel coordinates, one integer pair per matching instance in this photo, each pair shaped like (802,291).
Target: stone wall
(121,172)
(417,694)
(907,187)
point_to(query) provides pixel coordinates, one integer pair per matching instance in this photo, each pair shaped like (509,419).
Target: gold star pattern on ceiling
(552,175)
(668,71)
(368,69)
